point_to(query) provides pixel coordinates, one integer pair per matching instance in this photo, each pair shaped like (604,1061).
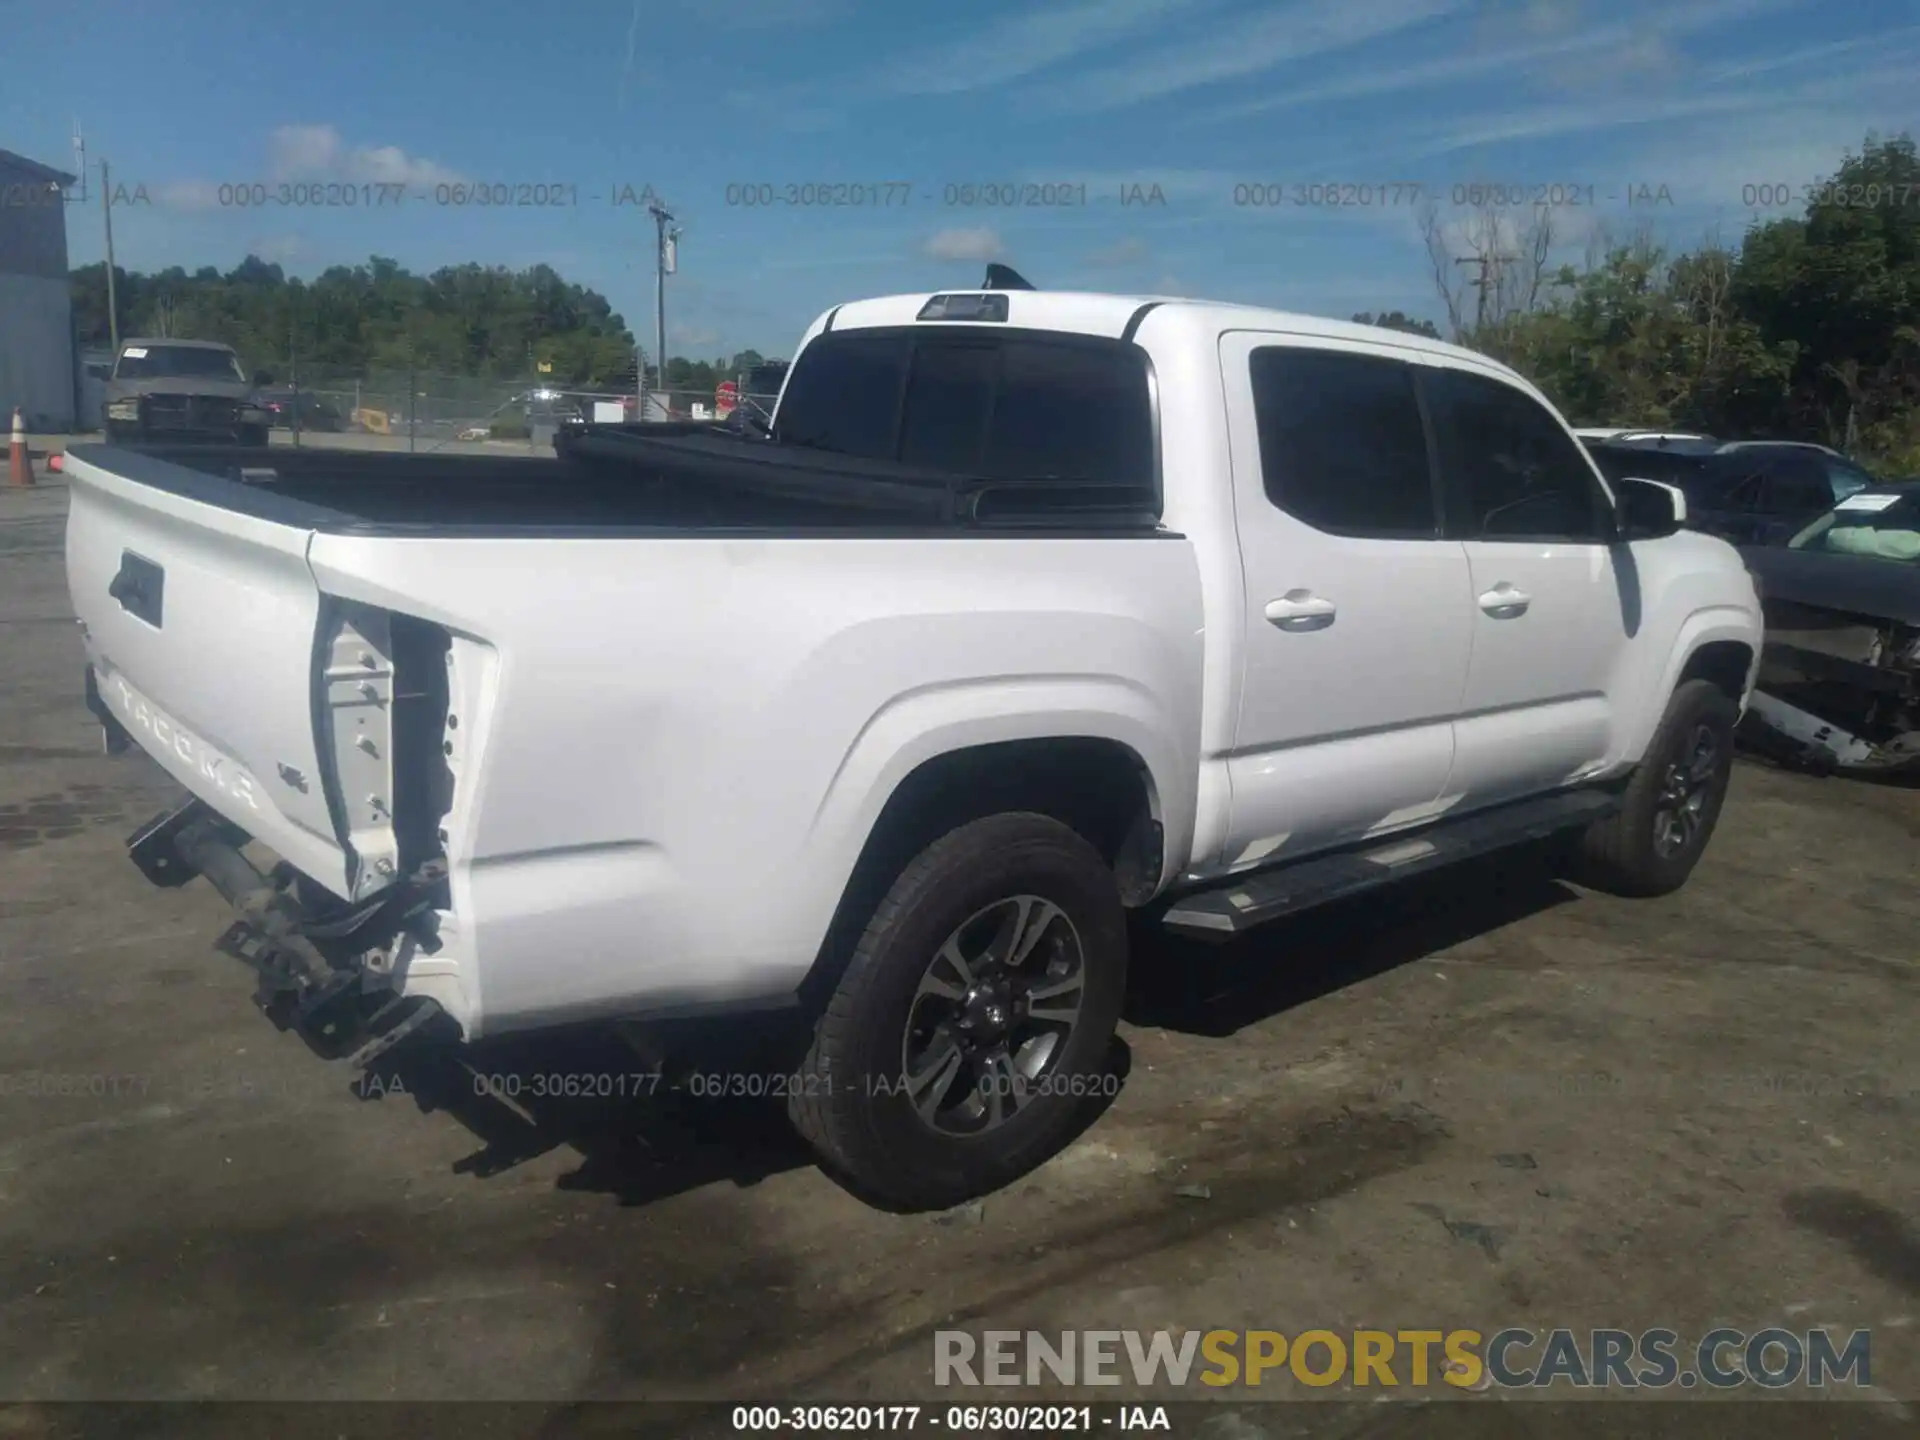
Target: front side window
(1512,471)
(1342,447)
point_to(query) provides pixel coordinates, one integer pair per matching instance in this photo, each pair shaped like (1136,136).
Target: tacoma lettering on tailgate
(200,757)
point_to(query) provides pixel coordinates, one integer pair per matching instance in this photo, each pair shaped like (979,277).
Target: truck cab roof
(1108,316)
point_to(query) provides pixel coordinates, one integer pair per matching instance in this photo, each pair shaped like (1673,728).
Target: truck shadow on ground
(642,1139)
(639,1137)
(1214,991)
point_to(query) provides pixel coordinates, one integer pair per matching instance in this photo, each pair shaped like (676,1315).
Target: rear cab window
(989,403)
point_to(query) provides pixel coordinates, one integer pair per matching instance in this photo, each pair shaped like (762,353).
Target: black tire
(255,436)
(1637,851)
(852,1099)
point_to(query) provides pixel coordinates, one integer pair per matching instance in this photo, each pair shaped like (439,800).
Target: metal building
(37,371)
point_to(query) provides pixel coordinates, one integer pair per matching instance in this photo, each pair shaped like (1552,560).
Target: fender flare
(925,724)
(1706,626)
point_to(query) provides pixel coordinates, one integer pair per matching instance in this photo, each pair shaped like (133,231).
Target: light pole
(665,261)
(113,308)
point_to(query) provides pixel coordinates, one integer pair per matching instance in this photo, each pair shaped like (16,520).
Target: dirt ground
(1491,1100)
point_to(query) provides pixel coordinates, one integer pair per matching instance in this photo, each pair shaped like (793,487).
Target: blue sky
(1607,99)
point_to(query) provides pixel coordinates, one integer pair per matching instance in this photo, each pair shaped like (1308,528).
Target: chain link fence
(426,411)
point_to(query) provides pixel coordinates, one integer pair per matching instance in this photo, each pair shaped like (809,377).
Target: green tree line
(469,320)
(1808,328)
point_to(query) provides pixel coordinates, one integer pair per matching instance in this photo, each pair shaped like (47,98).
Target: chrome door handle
(1503,602)
(1300,610)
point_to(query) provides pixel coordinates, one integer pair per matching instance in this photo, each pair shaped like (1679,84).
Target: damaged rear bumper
(308,951)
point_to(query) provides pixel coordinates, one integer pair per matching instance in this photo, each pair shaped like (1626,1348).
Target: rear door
(1358,613)
(1551,608)
(201,626)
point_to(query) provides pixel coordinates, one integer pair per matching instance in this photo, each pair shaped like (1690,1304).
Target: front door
(1554,601)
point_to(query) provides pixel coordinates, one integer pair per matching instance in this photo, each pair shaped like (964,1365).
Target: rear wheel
(254,435)
(969,1034)
(1650,846)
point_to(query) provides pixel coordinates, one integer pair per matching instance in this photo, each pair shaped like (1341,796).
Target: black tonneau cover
(713,456)
(639,477)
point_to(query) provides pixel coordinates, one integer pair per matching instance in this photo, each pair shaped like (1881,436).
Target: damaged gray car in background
(1839,684)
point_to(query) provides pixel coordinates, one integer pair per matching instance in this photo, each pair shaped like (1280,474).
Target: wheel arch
(1100,786)
(1720,644)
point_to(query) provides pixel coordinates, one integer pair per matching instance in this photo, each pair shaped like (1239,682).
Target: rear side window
(844,395)
(1342,447)
(1512,471)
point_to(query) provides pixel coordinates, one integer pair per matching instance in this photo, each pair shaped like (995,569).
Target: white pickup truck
(1033,607)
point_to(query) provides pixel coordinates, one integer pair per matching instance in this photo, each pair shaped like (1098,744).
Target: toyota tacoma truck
(1030,609)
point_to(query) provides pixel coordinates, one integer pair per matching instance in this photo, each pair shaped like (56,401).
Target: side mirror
(1648,509)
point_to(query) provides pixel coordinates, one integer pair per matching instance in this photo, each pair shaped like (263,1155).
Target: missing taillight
(422,780)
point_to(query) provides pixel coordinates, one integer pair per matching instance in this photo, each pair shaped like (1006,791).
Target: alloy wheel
(992,1015)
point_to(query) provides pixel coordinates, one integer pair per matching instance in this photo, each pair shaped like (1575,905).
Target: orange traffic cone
(19,463)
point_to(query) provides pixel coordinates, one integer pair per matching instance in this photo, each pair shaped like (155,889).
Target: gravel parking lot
(1493,1100)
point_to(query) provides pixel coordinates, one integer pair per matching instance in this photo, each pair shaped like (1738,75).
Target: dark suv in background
(1753,492)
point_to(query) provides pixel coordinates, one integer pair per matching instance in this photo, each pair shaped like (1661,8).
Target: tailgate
(201,628)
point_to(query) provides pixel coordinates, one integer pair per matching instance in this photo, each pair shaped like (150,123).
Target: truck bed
(637,479)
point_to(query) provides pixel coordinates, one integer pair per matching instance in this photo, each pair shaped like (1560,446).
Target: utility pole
(662,218)
(113,308)
(1483,282)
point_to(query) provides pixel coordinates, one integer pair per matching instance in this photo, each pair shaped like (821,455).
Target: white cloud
(1861,97)
(298,151)
(1769,64)
(1621,40)
(1022,44)
(192,196)
(765,14)
(963,244)
(1549,17)
(1129,250)
(317,152)
(1541,122)
(1171,285)
(277,249)
(1257,42)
